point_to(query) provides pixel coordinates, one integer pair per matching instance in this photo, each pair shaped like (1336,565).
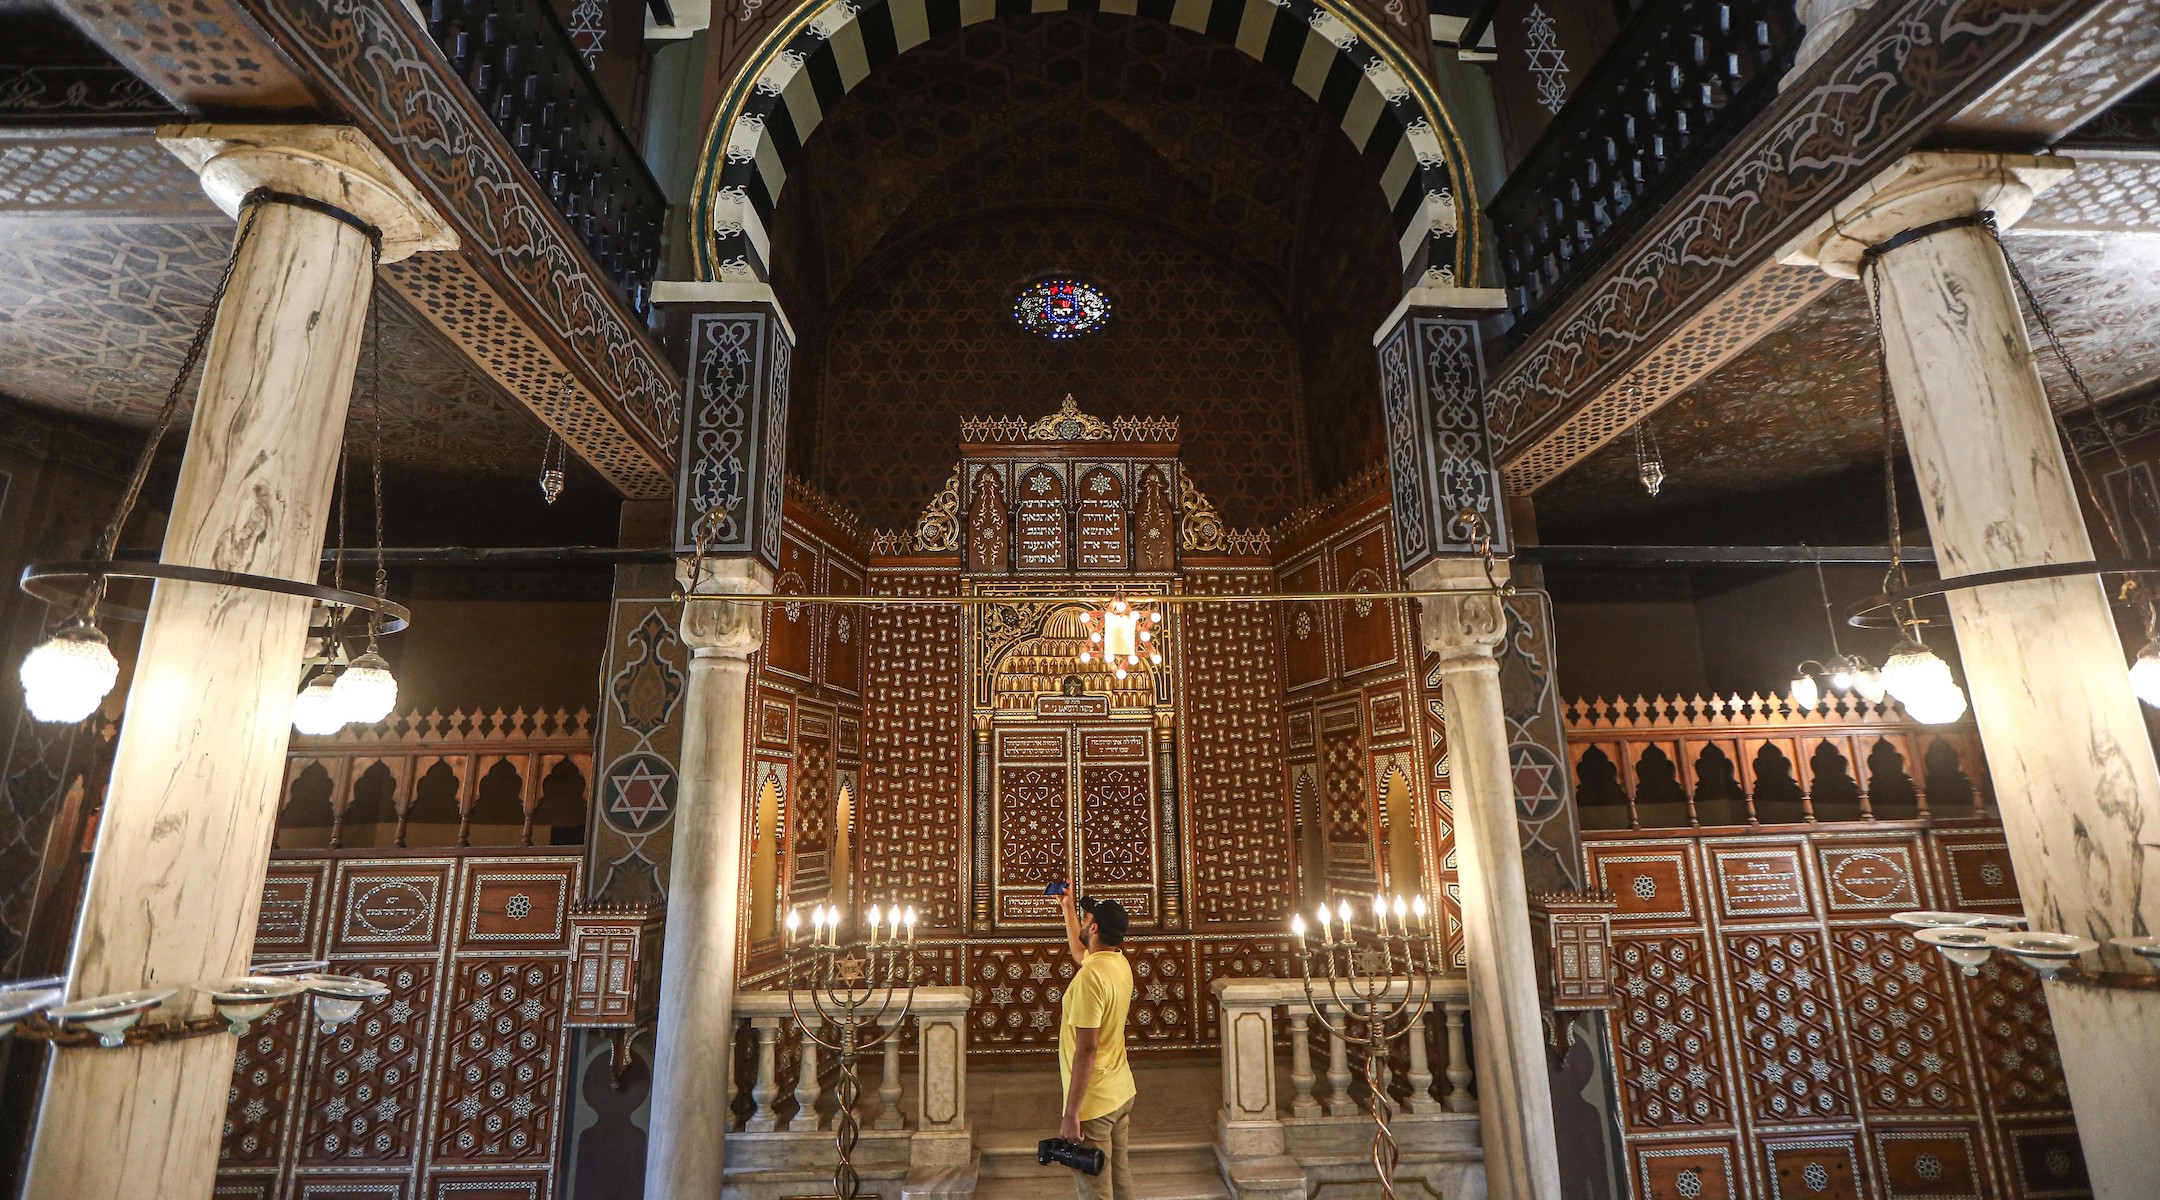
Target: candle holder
(1363,970)
(850,985)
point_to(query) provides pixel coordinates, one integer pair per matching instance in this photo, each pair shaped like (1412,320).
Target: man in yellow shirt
(1091,1043)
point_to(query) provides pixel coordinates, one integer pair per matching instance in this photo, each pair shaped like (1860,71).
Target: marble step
(1148,1186)
(1165,1154)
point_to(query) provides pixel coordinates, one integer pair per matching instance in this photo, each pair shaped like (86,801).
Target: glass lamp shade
(1121,632)
(2145,674)
(1841,675)
(366,691)
(1920,680)
(1806,693)
(1868,682)
(67,675)
(316,711)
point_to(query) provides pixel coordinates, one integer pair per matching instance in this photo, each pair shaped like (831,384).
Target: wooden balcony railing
(1729,760)
(1681,79)
(518,61)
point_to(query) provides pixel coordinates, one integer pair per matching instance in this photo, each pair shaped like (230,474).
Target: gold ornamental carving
(1202,528)
(938,529)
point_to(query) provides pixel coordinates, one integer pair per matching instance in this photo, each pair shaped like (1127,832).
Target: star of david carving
(850,969)
(639,792)
(1371,962)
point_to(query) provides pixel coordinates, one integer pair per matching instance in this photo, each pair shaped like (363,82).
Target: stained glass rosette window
(1061,308)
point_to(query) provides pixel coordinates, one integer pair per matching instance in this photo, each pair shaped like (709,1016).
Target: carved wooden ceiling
(108,253)
(1801,407)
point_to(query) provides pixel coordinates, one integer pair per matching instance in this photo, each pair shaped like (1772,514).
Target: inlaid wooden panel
(1672,1064)
(460,1064)
(915,756)
(1369,636)
(1848,1056)
(1815,1168)
(1688,1171)
(790,634)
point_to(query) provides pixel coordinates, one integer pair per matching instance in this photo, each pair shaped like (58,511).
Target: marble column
(184,840)
(2066,744)
(695,1029)
(1514,1089)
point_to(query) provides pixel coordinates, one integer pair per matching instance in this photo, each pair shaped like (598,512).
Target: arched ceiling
(1081,109)
(1109,148)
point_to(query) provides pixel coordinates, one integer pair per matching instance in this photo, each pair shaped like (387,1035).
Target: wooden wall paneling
(842,669)
(786,653)
(1367,638)
(1696,1169)
(1816,1167)
(1976,870)
(912,834)
(1231,776)
(1307,656)
(1858,1061)
(1760,880)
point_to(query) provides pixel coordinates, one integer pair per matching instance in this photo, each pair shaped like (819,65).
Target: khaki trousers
(1110,1133)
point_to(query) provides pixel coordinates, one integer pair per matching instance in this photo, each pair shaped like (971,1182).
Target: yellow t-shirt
(1097,998)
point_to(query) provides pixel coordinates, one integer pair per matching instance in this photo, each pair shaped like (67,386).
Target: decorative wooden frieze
(731,472)
(1445,490)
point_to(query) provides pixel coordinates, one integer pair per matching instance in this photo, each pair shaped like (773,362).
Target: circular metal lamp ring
(50,582)
(1879,611)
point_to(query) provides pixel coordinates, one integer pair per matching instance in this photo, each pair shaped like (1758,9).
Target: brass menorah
(851,985)
(1364,970)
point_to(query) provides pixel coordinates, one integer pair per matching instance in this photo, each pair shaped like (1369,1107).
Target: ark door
(1075,802)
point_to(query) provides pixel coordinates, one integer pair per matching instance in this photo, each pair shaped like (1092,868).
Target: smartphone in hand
(1055,889)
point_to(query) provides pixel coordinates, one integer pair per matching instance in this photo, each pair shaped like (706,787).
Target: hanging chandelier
(1843,672)
(1121,634)
(69,674)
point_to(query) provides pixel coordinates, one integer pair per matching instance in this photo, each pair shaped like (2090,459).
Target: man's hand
(1065,906)
(1070,1130)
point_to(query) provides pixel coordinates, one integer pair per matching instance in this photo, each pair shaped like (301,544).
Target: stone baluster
(1302,1103)
(1340,1103)
(806,1085)
(1459,1076)
(2066,742)
(765,1092)
(176,879)
(1421,1076)
(888,1116)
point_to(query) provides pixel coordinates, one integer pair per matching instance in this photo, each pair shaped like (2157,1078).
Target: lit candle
(1342,910)
(1402,927)
(873,924)
(1297,928)
(1327,933)
(911,924)
(1417,909)
(794,924)
(892,919)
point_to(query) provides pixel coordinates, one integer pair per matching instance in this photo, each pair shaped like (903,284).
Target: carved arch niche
(987,550)
(1155,524)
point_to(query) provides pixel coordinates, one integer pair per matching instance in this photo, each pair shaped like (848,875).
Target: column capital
(1464,629)
(1917,190)
(714,626)
(335,164)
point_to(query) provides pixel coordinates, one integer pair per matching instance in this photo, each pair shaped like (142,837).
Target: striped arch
(1331,52)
